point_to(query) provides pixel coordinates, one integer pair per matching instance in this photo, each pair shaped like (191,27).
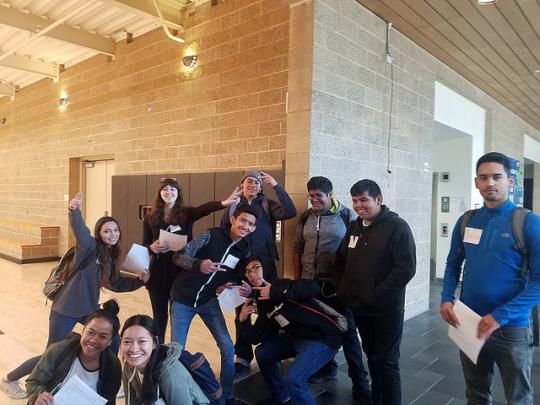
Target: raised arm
(84,239)
(186,259)
(284,209)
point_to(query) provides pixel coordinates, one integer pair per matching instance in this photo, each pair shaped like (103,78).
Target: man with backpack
(319,232)
(496,284)
(263,240)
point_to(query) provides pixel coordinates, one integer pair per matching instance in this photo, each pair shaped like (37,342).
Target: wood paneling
(496,47)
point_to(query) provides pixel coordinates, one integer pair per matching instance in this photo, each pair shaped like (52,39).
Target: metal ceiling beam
(31,23)
(30,66)
(7,90)
(146,8)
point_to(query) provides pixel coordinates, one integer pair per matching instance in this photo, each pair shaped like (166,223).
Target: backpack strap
(518,232)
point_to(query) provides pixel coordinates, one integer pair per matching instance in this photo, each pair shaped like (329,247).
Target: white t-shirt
(90,377)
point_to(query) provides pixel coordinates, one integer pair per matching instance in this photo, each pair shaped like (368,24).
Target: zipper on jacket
(213,274)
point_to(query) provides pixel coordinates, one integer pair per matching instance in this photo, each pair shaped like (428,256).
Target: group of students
(289,323)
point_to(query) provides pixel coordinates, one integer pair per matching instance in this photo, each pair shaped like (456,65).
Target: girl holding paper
(94,267)
(85,356)
(170,214)
(152,372)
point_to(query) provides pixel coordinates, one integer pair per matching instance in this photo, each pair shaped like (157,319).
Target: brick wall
(152,114)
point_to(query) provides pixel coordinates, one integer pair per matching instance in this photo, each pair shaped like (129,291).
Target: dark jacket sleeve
(126,284)
(84,240)
(196,213)
(284,209)
(148,235)
(404,263)
(185,258)
(111,371)
(298,290)
(341,254)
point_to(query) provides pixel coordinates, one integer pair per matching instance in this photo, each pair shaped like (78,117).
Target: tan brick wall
(229,113)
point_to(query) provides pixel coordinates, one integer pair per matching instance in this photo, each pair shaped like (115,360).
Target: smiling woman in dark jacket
(86,356)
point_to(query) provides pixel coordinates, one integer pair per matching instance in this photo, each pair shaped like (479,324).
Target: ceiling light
(537,71)
(486,2)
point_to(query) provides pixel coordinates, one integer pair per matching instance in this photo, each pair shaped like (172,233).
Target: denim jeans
(210,313)
(509,347)
(381,337)
(59,327)
(310,355)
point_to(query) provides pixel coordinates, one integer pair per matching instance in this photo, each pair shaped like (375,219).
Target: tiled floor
(430,369)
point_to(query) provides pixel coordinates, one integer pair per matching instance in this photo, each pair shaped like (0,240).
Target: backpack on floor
(202,373)
(518,232)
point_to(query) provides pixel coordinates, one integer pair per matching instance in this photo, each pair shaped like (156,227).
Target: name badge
(174,228)
(281,320)
(352,241)
(472,235)
(231,261)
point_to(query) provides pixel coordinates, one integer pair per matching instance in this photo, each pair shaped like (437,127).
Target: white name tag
(174,228)
(472,235)
(352,241)
(281,320)
(231,261)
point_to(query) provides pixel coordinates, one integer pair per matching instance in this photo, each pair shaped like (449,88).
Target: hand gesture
(245,289)
(267,179)
(44,398)
(447,313)
(209,267)
(220,289)
(234,198)
(247,309)
(76,203)
(144,276)
(486,327)
(264,291)
(159,247)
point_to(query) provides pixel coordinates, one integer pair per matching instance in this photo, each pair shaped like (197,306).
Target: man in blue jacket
(492,286)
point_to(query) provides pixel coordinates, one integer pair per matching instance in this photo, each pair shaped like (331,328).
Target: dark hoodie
(377,261)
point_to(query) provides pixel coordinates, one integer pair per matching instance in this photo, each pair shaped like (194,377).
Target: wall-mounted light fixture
(63,100)
(189,61)
(486,2)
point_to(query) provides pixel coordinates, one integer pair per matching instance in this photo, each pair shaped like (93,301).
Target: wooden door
(201,190)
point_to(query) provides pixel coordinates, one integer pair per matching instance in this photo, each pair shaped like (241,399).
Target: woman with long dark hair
(169,213)
(95,266)
(85,356)
(152,371)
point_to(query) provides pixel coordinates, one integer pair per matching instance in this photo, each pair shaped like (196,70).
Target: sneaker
(241,370)
(13,389)
(322,375)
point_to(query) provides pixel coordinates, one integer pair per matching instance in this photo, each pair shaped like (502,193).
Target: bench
(28,242)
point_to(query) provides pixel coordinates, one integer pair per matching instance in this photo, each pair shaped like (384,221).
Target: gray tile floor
(430,368)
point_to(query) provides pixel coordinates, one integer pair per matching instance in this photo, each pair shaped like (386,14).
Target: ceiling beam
(31,23)
(146,8)
(30,66)
(7,90)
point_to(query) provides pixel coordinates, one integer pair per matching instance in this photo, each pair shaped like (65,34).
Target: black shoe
(363,397)
(272,401)
(241,370)
(321,376)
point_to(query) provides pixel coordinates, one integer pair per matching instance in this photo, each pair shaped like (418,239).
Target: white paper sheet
(230,298)
(464,336)
(75,391)
(137,260)
(175,242)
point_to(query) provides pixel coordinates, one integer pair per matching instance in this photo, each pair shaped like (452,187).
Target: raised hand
(247,310)
(234,198)
(245,289)
(268,179)
(264,291)
(209,267)
(76,202)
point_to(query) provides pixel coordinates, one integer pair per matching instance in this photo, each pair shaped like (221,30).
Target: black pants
(242,347)
(160,300)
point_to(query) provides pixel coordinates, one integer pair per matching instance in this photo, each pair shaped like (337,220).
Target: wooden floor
(24,318)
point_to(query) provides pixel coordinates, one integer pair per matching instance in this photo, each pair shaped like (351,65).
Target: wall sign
(445,204)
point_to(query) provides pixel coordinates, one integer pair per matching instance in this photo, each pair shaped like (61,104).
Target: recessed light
(486,2)
(537,71)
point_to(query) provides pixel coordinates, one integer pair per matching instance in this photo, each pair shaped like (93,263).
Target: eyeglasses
(168,178)
(317,196)
(254,269)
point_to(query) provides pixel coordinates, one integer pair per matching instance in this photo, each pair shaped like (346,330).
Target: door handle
(143,210)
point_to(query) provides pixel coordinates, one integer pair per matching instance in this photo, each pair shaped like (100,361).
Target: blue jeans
(310,356)
(210,313)
(59,328)
(381,337)
(510,348)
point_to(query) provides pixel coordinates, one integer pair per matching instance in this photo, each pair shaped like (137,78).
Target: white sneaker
(13,389)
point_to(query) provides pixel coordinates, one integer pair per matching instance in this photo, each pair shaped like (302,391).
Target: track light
(486,2)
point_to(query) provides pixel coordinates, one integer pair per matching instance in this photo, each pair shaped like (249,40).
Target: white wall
(452,155)
(531,149)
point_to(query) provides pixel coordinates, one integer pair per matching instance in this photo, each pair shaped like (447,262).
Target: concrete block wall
(151,114)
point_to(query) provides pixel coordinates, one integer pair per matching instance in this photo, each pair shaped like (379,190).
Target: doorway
(97,189)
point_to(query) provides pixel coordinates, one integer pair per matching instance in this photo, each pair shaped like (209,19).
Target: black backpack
(519,216)
(57,277)
(202,373)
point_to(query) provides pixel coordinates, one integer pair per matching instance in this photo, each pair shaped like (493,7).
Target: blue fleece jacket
(492,272)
